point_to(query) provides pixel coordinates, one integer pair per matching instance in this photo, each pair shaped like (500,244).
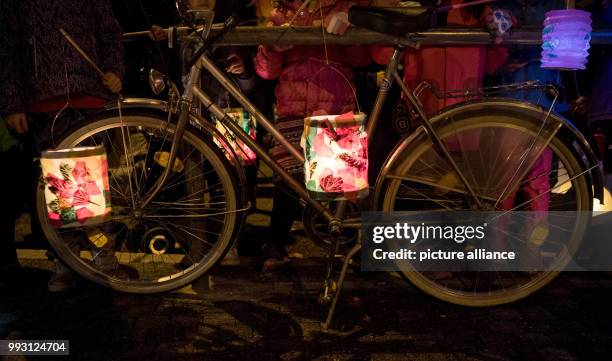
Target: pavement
(236,313)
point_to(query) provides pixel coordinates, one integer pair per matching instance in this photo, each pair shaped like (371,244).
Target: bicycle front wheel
(183,232)
(493,144)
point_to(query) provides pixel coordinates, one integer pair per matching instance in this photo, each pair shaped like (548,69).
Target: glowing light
(566,39)
(336,152)
(76,186)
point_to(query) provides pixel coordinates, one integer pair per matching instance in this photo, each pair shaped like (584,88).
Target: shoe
(272,265)
(64,279)
(107,262)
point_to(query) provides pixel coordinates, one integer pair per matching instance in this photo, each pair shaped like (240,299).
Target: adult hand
(112,82)
(18,122)
(235,64)
(158,33)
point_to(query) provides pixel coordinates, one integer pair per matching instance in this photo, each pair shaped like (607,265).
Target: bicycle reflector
(566,39)
(76,186)
(336,156)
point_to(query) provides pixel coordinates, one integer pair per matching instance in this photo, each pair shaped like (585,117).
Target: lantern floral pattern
(566,39)
(246,121)
(336,156)
(76,186)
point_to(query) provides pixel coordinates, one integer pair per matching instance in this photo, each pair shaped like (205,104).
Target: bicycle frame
(334,220)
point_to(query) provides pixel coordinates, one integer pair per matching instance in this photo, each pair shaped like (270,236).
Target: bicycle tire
(209,151)
(483,117)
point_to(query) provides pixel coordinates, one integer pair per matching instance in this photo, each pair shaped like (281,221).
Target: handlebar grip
(229,24)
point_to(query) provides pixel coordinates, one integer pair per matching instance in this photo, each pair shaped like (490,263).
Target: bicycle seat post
(384,89)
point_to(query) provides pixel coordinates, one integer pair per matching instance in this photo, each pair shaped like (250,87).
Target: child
(313,80)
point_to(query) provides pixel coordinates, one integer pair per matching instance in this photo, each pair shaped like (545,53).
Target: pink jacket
(311,79)
(307,83)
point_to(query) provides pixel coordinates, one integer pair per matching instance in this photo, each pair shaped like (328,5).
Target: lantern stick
(84,55)
(464,5)
(81,52)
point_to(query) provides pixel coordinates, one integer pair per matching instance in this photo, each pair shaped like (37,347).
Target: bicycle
(170,227)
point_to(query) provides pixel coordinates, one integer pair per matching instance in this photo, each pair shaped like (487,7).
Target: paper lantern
(76,186)
(246,121)
(336,156)
(566,39)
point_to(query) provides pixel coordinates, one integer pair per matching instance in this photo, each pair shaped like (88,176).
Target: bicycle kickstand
(332,308)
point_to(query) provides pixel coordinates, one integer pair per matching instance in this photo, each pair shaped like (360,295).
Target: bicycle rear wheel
(489,144)
(180,235)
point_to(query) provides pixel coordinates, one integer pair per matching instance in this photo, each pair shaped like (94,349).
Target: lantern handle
(331,128)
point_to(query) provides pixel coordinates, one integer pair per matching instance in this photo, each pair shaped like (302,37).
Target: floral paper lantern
(566,39)
(247,122)
(76,186)
(336,156)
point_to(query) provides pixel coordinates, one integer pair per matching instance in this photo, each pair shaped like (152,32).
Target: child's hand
(336,23)
(279,17)
(235,64)
(499,22)
(158,33)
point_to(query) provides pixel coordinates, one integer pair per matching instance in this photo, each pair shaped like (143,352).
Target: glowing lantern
(246,121)
(336,156)
(76,186)
(566,39)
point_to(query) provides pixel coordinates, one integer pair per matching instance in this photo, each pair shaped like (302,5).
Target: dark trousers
(10,183)
(285,210)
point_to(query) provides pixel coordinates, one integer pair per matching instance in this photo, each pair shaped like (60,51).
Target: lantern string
(64,108)
(323,31)
(329,65)
(576,84)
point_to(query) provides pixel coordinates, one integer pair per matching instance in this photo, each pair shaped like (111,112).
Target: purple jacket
(38,64)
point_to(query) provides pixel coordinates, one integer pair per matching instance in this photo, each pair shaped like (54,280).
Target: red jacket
(449,68)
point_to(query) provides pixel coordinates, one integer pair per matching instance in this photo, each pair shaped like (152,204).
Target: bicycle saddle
(392,21)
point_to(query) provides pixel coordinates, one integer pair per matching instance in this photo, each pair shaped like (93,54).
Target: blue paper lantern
(566,39)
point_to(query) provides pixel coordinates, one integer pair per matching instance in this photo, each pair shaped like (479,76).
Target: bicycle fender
(568,131)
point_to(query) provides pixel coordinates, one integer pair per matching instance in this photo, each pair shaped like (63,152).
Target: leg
(8,253)
(286,209)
